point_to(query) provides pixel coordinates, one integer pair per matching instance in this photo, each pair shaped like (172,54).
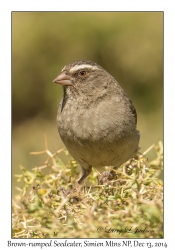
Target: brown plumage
(96,119)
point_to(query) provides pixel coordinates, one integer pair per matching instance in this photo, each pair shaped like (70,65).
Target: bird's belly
(100,152)
(94,140)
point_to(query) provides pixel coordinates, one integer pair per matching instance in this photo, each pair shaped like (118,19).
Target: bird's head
(83,77)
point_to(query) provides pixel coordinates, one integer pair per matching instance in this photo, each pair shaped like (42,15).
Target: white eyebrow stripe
(83,66)
(63,69)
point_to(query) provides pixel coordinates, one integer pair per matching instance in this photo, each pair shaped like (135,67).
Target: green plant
(128,206)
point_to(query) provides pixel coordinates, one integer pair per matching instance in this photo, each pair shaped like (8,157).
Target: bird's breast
(91,136)
(106,120)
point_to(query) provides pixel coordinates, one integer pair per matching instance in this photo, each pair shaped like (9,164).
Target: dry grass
(129,206)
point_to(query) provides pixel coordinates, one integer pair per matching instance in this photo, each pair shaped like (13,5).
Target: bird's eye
(82,73)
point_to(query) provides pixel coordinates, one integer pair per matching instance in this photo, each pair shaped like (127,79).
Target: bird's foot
(106,177)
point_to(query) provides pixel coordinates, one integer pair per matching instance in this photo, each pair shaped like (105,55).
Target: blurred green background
(129,45)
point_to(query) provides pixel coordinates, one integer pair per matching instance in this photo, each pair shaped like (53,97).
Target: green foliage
(128,206)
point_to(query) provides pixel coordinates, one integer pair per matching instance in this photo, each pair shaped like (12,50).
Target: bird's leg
(112,175)
(85,173)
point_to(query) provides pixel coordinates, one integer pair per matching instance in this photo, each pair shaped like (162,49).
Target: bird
(96,119)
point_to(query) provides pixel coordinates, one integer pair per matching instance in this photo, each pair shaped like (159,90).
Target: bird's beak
(63,79)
